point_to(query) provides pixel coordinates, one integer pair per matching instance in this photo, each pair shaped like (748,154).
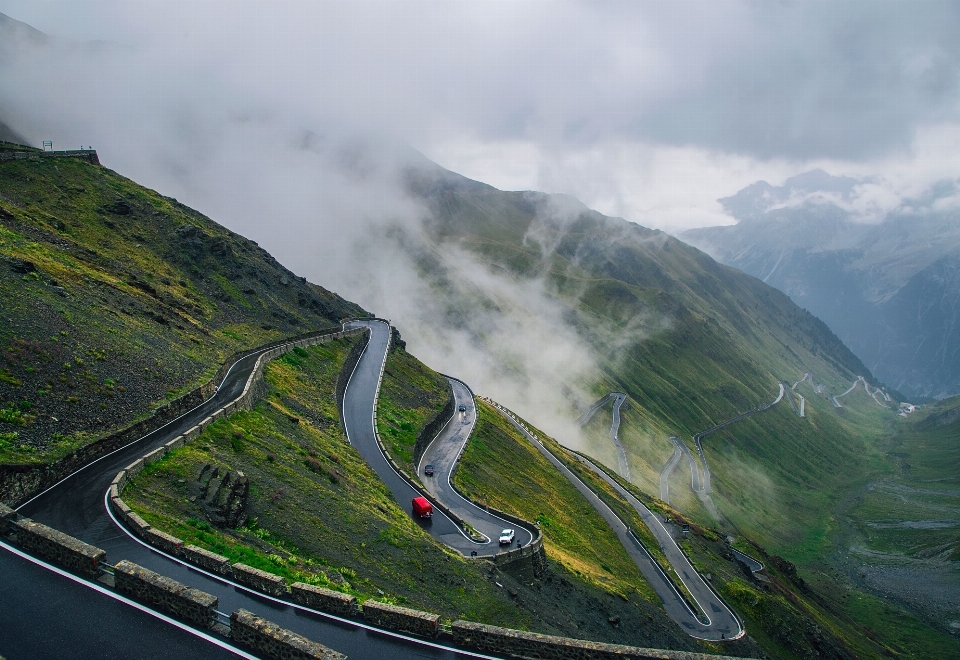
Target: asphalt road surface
(668,469)
(71,612)
(715,621)
(618,399)
(358,419)
(443,453)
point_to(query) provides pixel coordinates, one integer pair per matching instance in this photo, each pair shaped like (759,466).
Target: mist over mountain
(887,283)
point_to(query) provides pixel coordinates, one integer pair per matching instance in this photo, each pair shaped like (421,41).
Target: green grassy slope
(785,615)
(116,298)
(316,508)
(411,395)
(692,343)
(500,468)
(899,533)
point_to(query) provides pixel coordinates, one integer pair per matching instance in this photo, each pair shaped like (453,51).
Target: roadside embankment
(20,482)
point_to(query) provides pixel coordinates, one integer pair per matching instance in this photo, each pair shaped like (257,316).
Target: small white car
(506,536)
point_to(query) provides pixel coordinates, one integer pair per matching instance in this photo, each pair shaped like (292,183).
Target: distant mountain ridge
(890,290)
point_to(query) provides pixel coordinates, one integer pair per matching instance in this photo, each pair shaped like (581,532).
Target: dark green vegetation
(317,511)
(899,533)
(411,395)
(500,468)
(117,299)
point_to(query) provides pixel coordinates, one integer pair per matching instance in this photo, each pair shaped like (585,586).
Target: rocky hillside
(888,289)
(116,299)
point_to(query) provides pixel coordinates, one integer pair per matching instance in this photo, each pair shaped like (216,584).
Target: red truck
(422,507)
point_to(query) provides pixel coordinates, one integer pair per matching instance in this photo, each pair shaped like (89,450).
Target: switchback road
(618,399)
(443,453)
(715,621)
(77,506)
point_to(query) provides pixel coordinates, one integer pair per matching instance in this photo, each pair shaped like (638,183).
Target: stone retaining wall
(272,641)
(60,548)
(325,600)
(267,583)
(167,595)
(19,483)
(480,637)
(401,619)
(205,559)
(430,431)
(7,517)
(86,154)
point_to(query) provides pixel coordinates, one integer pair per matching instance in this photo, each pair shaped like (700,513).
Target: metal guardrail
(222,618)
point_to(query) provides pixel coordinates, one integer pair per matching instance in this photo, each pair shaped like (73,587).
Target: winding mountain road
(443,453)
(359,420)
(678,450)
(705,481)
(618,399)
(715,621)
(77,506)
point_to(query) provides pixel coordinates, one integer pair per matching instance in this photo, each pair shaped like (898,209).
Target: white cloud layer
(646,110)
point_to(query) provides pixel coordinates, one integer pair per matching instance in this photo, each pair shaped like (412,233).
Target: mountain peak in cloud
(813,187)
(12,29)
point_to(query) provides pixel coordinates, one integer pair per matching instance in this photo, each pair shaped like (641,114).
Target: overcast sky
(648,110)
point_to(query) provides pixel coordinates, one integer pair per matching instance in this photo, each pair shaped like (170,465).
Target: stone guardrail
(164,594)
(87,154)
(401,619)
(325,600)
(430,430)
(248,629)
(493,639)
(60,548)
(19,483)
(141,584)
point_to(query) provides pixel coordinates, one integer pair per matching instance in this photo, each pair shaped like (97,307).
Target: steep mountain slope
(116,298)
(691,342)
(889,289)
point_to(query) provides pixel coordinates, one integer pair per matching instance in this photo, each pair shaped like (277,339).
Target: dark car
(462,408)
(428,470)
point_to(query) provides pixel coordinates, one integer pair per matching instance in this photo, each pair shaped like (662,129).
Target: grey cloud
(842,80)
(805,80)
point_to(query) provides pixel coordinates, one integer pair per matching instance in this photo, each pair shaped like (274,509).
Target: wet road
(86,621)
(443,453)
